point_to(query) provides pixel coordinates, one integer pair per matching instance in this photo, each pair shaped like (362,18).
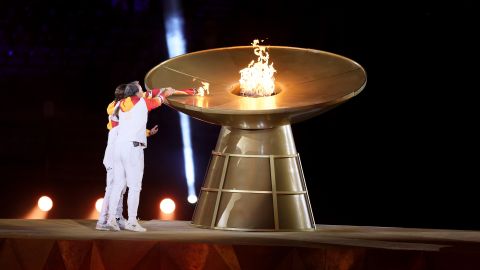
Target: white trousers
(128,171)
(106,199)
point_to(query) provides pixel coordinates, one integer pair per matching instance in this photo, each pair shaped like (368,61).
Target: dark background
(402,153)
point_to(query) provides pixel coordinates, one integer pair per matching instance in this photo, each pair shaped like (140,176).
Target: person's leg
(108,163)
(118,184)
(119,216)
(120,203)
(134,173)
(102,219)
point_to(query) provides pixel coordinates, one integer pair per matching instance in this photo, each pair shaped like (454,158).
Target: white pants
(106,199)
(128,171)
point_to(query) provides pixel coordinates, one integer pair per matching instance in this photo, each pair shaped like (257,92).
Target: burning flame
(203,89)
(257,79)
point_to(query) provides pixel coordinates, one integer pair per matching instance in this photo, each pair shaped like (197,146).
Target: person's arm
(152,93)
(128,103)
(158,100)
(110,110)
(153,103)
(155,92)
(166,92)
(152,131)
(111,107)
(111,124)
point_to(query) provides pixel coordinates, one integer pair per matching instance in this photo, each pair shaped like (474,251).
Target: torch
(200,91)
(186,91)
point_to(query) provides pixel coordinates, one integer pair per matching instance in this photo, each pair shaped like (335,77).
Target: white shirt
(133,123)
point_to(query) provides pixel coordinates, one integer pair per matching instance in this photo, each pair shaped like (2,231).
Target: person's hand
(164,90)
(168,91)
(154,130)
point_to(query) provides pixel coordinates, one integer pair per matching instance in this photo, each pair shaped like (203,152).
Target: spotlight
(99,204)
(45,203)
(177,45)
(167,206)
(192,199)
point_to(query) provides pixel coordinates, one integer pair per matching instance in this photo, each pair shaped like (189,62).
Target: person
(128,166)
(108,163)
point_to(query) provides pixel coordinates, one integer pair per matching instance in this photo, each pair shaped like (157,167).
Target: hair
(132,88)
(119,95)
(120,92)
(129,89)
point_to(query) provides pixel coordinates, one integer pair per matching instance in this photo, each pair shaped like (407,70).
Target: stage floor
(179,245)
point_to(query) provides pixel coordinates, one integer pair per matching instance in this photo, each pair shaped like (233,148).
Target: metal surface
(309,82)
(255,180)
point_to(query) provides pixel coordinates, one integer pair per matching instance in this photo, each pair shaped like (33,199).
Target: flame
(257,79)
(203,89)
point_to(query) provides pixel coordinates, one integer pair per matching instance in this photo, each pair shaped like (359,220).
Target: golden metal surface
(255,180)
(311,82)
(253,191)
(274,192)
(220,187)
(253,156)
(304,184)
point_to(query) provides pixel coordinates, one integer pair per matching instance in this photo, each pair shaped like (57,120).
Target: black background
(402,153)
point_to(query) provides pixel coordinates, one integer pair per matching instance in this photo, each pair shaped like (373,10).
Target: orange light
(45,203)
(36,213)
(99,204)
(167,206)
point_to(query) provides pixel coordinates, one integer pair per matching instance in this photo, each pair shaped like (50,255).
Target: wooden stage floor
(75,244)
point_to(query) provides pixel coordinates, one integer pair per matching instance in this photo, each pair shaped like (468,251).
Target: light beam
(176,45)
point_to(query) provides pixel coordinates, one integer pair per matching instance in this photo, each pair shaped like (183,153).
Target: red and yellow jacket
(152,98)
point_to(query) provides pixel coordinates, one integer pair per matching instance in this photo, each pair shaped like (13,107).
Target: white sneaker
(112,225)
(134,226)
(102,226)
(121,222)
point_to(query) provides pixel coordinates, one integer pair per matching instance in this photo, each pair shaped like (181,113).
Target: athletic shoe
(134,226)
(102,226)
(112,225)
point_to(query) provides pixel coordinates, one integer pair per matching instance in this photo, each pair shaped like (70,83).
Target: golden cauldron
(255,180)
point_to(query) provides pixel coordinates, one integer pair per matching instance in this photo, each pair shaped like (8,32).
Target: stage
(75,244)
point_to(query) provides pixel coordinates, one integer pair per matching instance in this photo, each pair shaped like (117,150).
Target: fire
(203,89)
(257,79)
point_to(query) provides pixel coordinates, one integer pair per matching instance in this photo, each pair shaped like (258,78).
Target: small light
(192,199)
(99,204)
(167,206)
(45,203)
